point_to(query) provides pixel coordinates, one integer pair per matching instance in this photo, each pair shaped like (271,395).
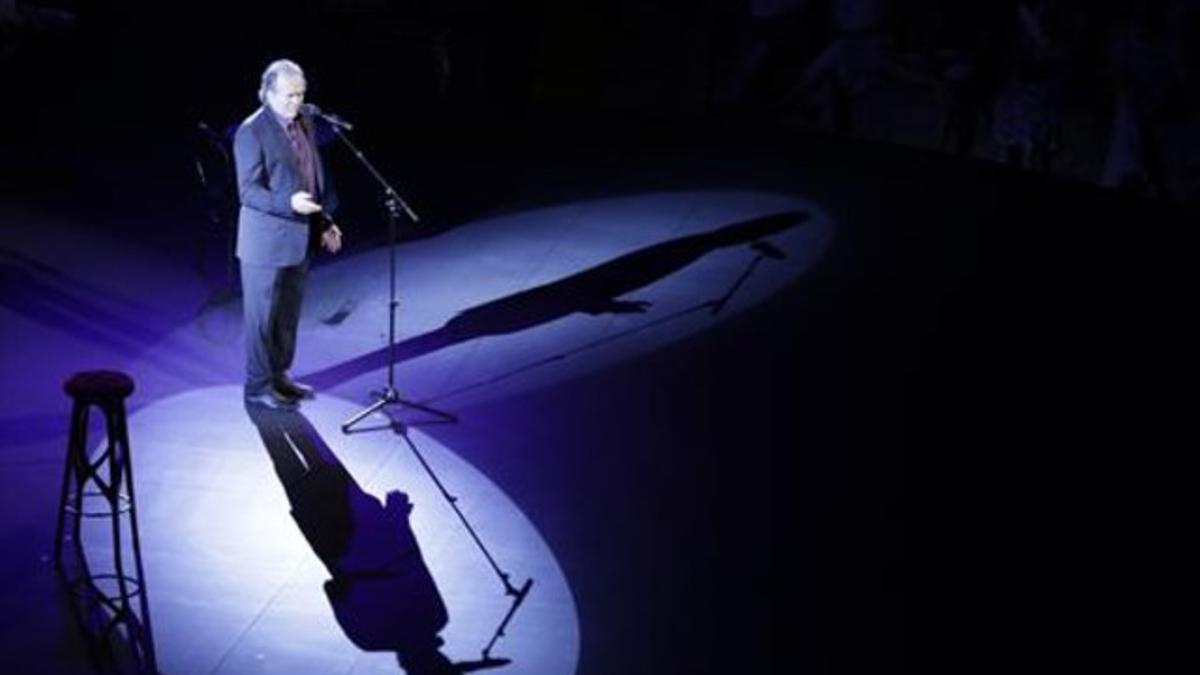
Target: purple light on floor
(490,308)
(234,585)
(530,298)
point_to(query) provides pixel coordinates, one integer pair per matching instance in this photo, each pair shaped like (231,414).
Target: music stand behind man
(286,202)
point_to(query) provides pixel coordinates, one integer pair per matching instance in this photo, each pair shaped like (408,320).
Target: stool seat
(99,385)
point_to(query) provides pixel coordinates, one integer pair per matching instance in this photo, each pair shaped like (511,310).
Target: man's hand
(331,239)
(302,203)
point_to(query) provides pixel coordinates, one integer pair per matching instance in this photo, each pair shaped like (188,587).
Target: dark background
(956,396)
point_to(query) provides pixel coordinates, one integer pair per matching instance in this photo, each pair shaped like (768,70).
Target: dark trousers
(271,298)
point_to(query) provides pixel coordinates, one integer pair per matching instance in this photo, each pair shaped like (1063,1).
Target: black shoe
(272,398)
(294,389)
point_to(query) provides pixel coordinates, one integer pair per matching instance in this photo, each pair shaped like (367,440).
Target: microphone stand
(395,205)
(221,215)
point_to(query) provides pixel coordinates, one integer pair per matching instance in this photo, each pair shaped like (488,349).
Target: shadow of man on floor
(594,291)
(381,591)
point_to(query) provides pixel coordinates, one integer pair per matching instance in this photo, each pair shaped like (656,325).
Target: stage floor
(516,322)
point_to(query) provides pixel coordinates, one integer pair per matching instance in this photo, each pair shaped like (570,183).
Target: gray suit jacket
(268,174)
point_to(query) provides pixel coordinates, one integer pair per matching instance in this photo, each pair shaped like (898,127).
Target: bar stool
(102,487)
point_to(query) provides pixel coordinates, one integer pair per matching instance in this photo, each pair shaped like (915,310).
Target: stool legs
(72,490)
(106,481)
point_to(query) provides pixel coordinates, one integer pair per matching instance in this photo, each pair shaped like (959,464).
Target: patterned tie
(304,155)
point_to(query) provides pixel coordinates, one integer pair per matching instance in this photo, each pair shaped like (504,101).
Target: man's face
(286,96)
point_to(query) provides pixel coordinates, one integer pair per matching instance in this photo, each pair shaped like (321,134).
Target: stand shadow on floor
(593,291)
(382,593)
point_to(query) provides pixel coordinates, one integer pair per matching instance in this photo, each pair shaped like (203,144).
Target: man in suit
(286,200)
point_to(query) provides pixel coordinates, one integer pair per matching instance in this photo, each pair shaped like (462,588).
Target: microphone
(313,110)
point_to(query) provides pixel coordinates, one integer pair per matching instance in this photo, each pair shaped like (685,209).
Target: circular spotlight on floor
(239,537)
(533,297)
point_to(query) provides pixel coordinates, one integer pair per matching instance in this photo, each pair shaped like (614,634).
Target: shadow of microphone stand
(763,249)
(517,594)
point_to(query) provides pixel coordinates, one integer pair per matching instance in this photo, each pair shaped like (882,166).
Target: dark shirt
(305,156)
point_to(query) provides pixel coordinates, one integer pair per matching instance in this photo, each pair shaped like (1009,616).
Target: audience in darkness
(1032,83)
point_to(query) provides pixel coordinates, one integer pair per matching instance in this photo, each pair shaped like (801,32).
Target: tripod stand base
(518,596)
(390,396)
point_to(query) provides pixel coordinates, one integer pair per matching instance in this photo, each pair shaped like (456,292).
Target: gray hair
(272,73)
